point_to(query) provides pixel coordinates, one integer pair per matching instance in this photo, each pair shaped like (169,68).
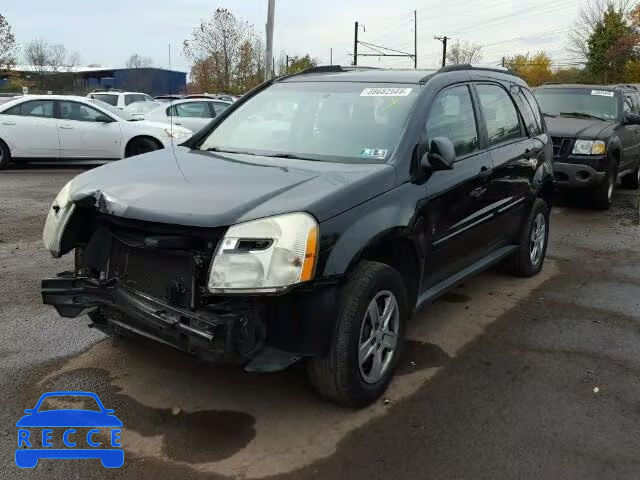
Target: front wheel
(5,156)
(527,261)
(602,196)
(368,337)
(141,145)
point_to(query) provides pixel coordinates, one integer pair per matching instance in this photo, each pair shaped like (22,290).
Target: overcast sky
(107,32)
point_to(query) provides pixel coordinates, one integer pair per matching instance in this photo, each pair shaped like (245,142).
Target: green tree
(297,64)
(534,69)
(610,47)
(8,48)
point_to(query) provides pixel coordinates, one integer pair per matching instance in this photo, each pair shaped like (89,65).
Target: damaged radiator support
(154,284)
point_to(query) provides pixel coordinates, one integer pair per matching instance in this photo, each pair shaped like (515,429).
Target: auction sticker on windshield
(386,92)
(602,93)
(377,153)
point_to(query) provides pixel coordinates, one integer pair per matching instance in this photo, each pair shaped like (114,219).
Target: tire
(602,195)
(140,145)
(341,376)
(528,260)
(5,156)
(632,180)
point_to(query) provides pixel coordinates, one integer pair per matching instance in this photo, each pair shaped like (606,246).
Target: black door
(456,198)
(515,155)
(629,134)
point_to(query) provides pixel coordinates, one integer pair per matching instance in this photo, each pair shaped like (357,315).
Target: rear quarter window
(107,98)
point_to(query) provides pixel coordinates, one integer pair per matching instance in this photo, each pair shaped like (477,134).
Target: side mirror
(104,119)
(632,118)
(441,155)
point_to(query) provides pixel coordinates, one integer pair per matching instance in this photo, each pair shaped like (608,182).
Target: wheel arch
(155,140)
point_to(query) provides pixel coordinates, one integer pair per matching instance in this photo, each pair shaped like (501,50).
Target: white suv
(120,99)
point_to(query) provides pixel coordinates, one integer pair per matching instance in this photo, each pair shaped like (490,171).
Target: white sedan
(57,127)
(192,114)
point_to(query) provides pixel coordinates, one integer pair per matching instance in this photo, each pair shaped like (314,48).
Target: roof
(377,75)
(581,85)
(360,75)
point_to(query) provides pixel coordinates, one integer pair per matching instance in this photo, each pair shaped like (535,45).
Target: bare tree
(464,52)
(138,61)
(36,54)
(8,47)
(590,15)
(57,57)
(220,40)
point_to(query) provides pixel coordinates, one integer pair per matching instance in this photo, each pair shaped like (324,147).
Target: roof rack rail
(470,66)
(334,69)
(100,90)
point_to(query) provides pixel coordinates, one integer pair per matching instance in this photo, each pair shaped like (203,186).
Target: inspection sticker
(377,153)
(602,93)
(386,92)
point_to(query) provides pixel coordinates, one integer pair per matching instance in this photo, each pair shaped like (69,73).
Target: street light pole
(269,50)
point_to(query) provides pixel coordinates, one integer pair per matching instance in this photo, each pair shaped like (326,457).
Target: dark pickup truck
(595,131)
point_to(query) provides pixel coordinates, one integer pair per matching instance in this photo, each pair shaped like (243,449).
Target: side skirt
(447,284)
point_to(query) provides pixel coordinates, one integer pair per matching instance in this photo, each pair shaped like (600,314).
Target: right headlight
(589,147)
(266,255)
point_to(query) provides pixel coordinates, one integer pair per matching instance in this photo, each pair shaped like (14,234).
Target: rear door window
(500,113)
(34,108)
(530,120)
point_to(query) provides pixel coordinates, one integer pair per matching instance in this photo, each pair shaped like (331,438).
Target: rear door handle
(478,192)
(66,127)
(8,123)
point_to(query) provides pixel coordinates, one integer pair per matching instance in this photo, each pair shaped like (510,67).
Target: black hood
(206,189)
(578,127)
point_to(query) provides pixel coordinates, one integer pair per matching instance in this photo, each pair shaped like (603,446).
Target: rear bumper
(300,323)
(574,175)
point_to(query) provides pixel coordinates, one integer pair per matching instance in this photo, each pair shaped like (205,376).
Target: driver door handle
(8,123)
(66,127)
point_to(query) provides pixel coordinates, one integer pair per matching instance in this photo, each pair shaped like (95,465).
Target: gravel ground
(498,380)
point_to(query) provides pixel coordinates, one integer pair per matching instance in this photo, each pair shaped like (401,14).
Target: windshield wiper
(287,155)
(581,115)
(222,150)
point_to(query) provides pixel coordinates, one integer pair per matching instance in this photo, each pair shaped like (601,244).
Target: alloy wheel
(538,239)
(378,337)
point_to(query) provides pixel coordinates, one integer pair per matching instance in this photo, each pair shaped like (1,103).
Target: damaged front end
(155,280)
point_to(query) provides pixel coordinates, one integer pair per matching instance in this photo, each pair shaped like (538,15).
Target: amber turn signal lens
(310,255)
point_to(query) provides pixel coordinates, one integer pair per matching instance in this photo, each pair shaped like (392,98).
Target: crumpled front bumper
(209,334)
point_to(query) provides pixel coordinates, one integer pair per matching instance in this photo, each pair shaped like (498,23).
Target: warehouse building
(153,81)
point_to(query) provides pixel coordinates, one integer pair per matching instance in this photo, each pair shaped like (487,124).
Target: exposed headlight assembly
(57,219)
(266,255)
(589,147)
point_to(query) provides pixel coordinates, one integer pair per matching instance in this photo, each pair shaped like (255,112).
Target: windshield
(114,110)
(586,102)
(332,121)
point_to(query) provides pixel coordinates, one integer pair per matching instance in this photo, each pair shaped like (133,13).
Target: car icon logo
(69,433)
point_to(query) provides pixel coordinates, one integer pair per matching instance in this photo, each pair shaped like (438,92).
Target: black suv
(596,137)
(311,219)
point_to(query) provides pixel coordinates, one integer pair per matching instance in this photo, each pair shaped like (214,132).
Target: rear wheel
(5,156)
(529,258)
(632,180)
(141,145)
(368,337)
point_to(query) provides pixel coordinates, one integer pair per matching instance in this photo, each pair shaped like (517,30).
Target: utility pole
(331,56)
(503,61)
(355,46)
(444,49)
(269,50)
(287,68)
(415,39)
